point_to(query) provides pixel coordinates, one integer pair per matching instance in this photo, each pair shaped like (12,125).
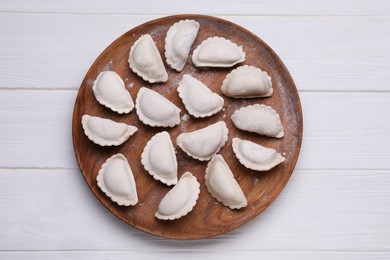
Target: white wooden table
(337,203)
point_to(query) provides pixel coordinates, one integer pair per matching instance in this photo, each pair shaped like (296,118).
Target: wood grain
(229,7)
(208,218)
(36,133)
(349,206)
(248,255)
(315,49)
(338,54)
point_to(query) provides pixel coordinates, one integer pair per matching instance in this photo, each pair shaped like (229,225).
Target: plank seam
(362,91)
(214,14)
(199,251)
(296,169)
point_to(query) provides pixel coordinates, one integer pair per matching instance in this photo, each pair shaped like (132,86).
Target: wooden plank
(322,53)
(264,7)
(255,255)
(208,221)
(36,129)
(317,211)
(341,131)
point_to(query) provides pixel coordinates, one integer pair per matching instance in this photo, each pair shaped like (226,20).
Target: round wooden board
(209,217)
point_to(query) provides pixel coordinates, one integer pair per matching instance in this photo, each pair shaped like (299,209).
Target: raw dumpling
(217,52)
(159,158)
(155,110)
(247,82)
(259,119)
(254,156)
(145,60)
(116,180)
(106,132)
(109,90)
(178,42)
(221,184)
(198,98)
(202,144)
(180,200)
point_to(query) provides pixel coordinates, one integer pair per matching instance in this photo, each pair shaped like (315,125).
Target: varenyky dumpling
(178,42)
(145,60)
(217,52)
(109,90)
(247,82)
(106,132)
(202,144)
(260,119)
(116,180)
(254,156)
(222,185)
(159,158)
(155,110)
(198,99)
(180,200)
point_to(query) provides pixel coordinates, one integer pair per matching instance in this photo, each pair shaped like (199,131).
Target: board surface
(209,217)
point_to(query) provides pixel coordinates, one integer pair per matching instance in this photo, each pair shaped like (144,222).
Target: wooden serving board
(209,217)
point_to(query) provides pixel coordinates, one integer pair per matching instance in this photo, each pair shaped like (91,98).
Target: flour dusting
(185,117)
(109,64)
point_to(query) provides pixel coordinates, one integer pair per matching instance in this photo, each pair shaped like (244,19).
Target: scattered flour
(108,66)
(185,117)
